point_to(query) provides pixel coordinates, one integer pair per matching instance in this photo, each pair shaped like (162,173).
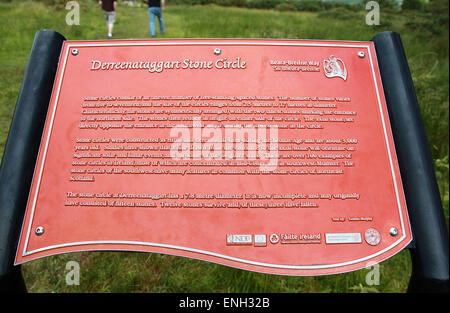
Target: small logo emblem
(260,241)
(239,239)
(274,238)
(334,67)
(372,236)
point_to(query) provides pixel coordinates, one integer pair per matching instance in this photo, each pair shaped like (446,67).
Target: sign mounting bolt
(217,51)
(74,51)
(393,231)
(39,230)
(361,54)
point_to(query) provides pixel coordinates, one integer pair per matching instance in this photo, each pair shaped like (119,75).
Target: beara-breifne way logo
(334,67)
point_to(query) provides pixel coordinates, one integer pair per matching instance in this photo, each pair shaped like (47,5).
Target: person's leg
(152,21)
(161,23)
(110,29)
(105,14)
(110,19)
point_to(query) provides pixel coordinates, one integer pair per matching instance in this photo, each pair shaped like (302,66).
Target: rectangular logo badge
(343,238)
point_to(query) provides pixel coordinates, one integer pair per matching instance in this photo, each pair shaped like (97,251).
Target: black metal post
(430,254)
(21,150)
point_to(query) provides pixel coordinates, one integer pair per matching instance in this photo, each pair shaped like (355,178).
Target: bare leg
(110,29)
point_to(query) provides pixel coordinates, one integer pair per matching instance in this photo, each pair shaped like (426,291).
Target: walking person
(155,9)
(109,11)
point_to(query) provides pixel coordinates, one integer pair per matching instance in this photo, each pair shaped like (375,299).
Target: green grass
(426,46)
(142,272)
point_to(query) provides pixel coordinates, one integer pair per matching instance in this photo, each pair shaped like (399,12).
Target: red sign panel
(273,156)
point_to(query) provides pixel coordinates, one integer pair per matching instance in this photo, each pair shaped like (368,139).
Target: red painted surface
(202,233)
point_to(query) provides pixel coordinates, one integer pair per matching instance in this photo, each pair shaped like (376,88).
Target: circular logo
(274,238)
(372,237)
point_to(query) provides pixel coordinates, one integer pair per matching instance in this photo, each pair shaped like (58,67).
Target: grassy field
(425,39)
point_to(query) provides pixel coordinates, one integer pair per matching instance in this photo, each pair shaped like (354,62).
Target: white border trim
(206,42)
